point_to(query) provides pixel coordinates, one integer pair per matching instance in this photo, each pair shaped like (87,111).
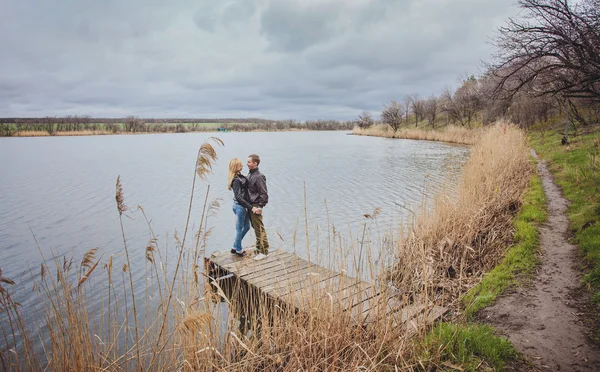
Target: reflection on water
(63,190)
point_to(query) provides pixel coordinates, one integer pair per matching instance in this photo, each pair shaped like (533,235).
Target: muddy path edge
(542,319)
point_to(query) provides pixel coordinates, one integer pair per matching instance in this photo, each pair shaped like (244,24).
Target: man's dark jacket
(257,188)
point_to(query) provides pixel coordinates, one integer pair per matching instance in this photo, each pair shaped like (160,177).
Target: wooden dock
(285,277)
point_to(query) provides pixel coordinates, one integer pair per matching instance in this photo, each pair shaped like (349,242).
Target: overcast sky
(276,59)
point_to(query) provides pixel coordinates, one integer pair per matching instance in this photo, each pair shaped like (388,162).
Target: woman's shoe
(241,254)
(233,251)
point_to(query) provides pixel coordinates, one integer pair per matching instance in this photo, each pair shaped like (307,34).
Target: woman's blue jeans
(242,225)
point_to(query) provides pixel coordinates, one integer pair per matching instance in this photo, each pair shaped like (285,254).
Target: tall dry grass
(84,317)
(458,239)
(451,134)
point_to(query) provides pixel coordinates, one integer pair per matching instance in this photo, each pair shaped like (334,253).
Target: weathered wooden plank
(251,266)
(303,285)
(219,254)
(406,313)
(344,291)
(362,309)
(357,299)
(224,258)
(360,287)
(305,278)
(313,292)
(327,291)
(270,267)
(287,264)
(301,273)
(386,307)
(233,263)
(429,316)
(342,300)
(289,274)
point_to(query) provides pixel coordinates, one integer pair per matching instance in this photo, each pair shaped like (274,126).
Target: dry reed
(458,239)
(451,134)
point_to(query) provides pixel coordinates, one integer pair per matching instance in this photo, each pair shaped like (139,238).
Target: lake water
(62,189)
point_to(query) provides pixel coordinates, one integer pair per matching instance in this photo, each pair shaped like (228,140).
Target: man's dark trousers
(262,244)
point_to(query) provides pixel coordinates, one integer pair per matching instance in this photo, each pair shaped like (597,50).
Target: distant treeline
(56,125)
(77,118)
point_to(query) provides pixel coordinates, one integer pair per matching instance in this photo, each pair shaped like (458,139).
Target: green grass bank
(465,347)
(520,259)
(576,169)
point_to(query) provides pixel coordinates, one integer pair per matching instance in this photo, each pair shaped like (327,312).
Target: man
(257,191)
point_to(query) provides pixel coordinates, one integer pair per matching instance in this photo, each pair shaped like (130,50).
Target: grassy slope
(470,347)
(576,169)
(521,257)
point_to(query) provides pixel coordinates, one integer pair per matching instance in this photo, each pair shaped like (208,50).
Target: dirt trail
(543,321)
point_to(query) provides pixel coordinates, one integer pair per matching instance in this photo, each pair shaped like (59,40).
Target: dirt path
(543,321)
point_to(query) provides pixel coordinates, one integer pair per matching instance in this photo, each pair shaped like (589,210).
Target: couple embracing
(249,198)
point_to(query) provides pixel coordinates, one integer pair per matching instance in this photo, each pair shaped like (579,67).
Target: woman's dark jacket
(239,185)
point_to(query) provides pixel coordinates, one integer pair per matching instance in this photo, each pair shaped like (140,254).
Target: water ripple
(68,199)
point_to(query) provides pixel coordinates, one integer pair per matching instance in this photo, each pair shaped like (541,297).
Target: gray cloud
(293,26)
(300,59)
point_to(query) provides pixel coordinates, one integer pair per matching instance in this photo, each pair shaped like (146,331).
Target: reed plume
(207,155)
(121,207)
(91,268)
(194,322)
(88,258)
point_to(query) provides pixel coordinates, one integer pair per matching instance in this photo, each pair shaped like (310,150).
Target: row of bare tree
(131,124)
(546,63)
(77,119)
(462,106)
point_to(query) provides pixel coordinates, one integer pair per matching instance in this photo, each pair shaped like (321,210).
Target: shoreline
(448,134)
(103,133)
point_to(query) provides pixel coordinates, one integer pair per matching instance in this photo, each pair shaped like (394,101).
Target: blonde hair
(235,167)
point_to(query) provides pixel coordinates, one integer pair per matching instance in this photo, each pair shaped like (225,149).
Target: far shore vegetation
(87,126)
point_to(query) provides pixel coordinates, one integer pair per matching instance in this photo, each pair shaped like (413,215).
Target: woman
(241,207)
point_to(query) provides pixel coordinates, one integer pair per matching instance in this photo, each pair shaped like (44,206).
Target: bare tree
(392,115)
(133,124)
(494,106)
(364,120)
(111,127)
(417,105)
(48,125)
(406,107)
(464,104)
(431,110)
(552,48)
